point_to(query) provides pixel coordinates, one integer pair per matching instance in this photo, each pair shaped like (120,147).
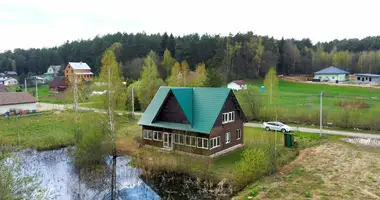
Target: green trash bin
(288,140)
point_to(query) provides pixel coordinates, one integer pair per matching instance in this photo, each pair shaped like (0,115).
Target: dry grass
(331,171)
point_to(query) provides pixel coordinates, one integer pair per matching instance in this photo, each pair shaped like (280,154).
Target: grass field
(300,103)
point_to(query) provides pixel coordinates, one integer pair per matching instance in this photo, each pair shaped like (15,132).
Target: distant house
(237,85)
(10,73)
(52,72)
(78,70)
(32,80)
(3,88)
(331,74)
(2,75)
(8,81)
(206,121)
(17,100)
(373,79)
(58,84)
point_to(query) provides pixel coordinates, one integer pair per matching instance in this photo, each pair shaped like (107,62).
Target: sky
(47,23)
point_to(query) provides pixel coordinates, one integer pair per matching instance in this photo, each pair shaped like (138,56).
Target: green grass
(299,103)
(43,91)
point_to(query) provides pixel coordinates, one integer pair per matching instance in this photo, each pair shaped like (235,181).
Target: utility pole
(36,91)
(320,116)
(133,102)
(25,84)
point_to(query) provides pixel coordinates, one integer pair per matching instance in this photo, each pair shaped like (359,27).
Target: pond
(61,180)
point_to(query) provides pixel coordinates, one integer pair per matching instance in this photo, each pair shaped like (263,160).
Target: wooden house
(78,70)
(206,121)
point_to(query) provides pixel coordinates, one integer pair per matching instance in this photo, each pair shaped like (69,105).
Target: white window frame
(228,117)
(228,137)
(204,141)
(214,142)
(155,135)
(238,134)
(148,134)
(191,139)
(177,139)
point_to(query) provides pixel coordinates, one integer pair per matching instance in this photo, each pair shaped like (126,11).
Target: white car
(276,126)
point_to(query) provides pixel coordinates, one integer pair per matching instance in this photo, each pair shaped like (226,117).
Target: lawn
(300,103)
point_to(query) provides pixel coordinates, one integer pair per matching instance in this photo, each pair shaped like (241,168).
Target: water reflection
(61,180)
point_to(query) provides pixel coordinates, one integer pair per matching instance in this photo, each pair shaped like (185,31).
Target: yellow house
(78,70)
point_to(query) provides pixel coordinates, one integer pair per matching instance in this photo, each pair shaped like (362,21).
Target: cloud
(46,23)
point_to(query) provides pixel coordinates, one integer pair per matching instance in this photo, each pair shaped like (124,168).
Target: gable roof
(3,88)
(10,98)
(200,105)
(79,65)
(239,82)
(58,81)
(331,70)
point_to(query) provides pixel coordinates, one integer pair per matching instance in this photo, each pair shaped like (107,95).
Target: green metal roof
(200,105)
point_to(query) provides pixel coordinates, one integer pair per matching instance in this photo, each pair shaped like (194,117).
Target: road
(325,131)
(47,106)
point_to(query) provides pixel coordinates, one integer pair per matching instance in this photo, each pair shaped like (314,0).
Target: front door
(167,140)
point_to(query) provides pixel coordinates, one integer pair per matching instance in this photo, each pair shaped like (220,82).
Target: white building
(372,79)
(237,85)
(17,100)
(8,81)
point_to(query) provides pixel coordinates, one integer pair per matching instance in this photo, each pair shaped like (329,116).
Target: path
(47,106)
(324,131)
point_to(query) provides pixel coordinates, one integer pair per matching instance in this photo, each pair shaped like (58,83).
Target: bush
(252,166)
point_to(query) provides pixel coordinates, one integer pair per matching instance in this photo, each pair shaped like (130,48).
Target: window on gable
(228,117)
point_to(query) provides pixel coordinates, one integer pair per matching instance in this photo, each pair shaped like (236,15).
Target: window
(333,77)
(202,143)
(179,139)
(228,117)
(238,134)
(190,141)
(370,79)
(228,138)
(358,79)
(157,135)
(214,142)
(147,134)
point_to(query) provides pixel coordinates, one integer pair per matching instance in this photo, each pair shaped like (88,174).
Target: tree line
(239,56)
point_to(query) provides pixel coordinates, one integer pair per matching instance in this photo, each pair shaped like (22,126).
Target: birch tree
(114,99)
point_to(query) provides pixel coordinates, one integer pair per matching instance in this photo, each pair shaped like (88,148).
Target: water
(60,179)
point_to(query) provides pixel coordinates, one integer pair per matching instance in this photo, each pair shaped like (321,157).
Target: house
(78,70)
(16,100)
(331,74)
(52,72)
(373,79)
(237,85)
(10,73)
(33,80)
(205,121)
(58,84)
(2,75)
(3,88)
(8,81)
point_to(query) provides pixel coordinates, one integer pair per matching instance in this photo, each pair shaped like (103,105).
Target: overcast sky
(47,23)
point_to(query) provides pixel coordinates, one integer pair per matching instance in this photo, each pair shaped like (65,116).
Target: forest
(240,56)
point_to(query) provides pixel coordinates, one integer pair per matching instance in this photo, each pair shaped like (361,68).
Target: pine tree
(213,78)
(280,65)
